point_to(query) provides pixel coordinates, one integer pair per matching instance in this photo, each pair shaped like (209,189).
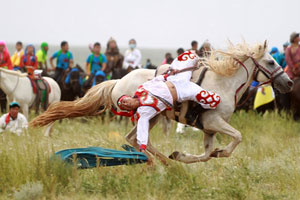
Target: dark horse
(70,84)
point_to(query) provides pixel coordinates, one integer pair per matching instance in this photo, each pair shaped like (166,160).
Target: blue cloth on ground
(87,157)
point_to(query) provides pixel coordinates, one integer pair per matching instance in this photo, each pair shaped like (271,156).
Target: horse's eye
(271,62)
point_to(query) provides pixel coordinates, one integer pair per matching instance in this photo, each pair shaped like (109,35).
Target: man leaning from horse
(162,92)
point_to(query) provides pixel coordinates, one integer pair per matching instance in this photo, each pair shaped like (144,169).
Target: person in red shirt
(4,56)
(29,60)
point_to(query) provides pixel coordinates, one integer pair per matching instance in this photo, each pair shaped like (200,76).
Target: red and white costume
(154,95)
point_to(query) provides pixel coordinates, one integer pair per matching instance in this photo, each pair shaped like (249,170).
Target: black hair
(63,43)
(180,51)
(19,43)
(194,42)
(97,44)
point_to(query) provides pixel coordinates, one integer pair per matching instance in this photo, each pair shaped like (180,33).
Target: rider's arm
(51,60)
(71,62)
(87,68)
(138,59)
(146,113)
(104,64)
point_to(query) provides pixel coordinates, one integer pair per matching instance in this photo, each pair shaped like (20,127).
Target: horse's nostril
(290,83)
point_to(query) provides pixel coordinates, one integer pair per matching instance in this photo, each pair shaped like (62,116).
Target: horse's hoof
(174,155)
(215,153)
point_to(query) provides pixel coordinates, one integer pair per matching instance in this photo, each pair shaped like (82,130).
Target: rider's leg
(187,90)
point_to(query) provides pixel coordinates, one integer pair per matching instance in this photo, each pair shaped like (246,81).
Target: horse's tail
(94,102)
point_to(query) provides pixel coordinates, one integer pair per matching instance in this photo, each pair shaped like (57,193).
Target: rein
(258,68)
(14,87)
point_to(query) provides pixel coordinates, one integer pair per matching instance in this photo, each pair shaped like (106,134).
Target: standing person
(292,56)
(13,121)
(95,62)
(4,56)
(16,57)
(114,57)
(42,57)
(64,60)
(29,60)
(132,57)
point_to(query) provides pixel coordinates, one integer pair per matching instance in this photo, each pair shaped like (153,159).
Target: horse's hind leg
(131,138)
(208,140)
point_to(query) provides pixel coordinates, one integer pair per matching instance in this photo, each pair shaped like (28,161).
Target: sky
(153,23)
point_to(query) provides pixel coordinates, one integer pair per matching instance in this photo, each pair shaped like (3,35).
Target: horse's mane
(16,73)
(224,63)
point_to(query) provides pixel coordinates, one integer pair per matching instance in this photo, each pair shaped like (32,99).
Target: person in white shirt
(132,57)
(13,121)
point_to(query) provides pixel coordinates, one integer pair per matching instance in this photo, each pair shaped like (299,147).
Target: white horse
(229,76)
(17,87)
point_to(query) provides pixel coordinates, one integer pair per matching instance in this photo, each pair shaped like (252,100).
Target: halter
(272,76)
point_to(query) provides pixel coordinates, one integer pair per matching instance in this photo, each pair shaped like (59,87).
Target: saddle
(42,89)
(188,112)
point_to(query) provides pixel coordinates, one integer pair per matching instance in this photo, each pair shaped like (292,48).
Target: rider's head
(128,103)
(19,46)
(97,48)
(194,45)
(132,44)
(30,50)
(64,46)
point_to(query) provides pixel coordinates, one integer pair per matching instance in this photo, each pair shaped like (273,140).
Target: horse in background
(71,84)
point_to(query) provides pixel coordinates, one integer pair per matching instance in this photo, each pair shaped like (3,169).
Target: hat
(274,50)
(14,104)
(293,36)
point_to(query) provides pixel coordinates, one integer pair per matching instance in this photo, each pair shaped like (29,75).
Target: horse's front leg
(208,140)
(131,138)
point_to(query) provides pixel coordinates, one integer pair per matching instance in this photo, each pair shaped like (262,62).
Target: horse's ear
(265,44)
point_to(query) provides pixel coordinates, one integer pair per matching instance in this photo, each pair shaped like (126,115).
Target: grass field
(266,165)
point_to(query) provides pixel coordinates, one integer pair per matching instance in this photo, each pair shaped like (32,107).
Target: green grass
(266,165)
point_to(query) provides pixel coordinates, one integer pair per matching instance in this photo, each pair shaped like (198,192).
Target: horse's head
(268,70)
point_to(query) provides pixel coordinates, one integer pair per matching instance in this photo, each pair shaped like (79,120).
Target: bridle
(14,87)
(272,76)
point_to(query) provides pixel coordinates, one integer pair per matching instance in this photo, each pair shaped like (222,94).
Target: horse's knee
(238,138)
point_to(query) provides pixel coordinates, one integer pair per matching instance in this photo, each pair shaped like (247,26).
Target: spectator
(180,51)
(16,57)
(167,56)
(4,56)
(13,121)
(42,56)
(279,57)
(292,56)
(64,60)
(114,57)
(132,57)
(29,60)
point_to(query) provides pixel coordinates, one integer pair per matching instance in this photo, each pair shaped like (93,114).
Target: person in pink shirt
(292,56)
(4,56)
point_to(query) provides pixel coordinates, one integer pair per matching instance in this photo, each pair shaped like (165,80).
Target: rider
(64,60)
(132,57)
(4,56)
(292,56)
(16,57)
(29,60)
(96,62)
(162,92)
(42,56)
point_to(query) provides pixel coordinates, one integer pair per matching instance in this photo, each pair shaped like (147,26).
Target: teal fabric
(87,157)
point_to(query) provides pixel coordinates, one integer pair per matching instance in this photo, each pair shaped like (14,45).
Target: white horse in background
(229,76)
(17,87)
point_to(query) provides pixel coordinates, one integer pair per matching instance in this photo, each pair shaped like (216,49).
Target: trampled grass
(266,165)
